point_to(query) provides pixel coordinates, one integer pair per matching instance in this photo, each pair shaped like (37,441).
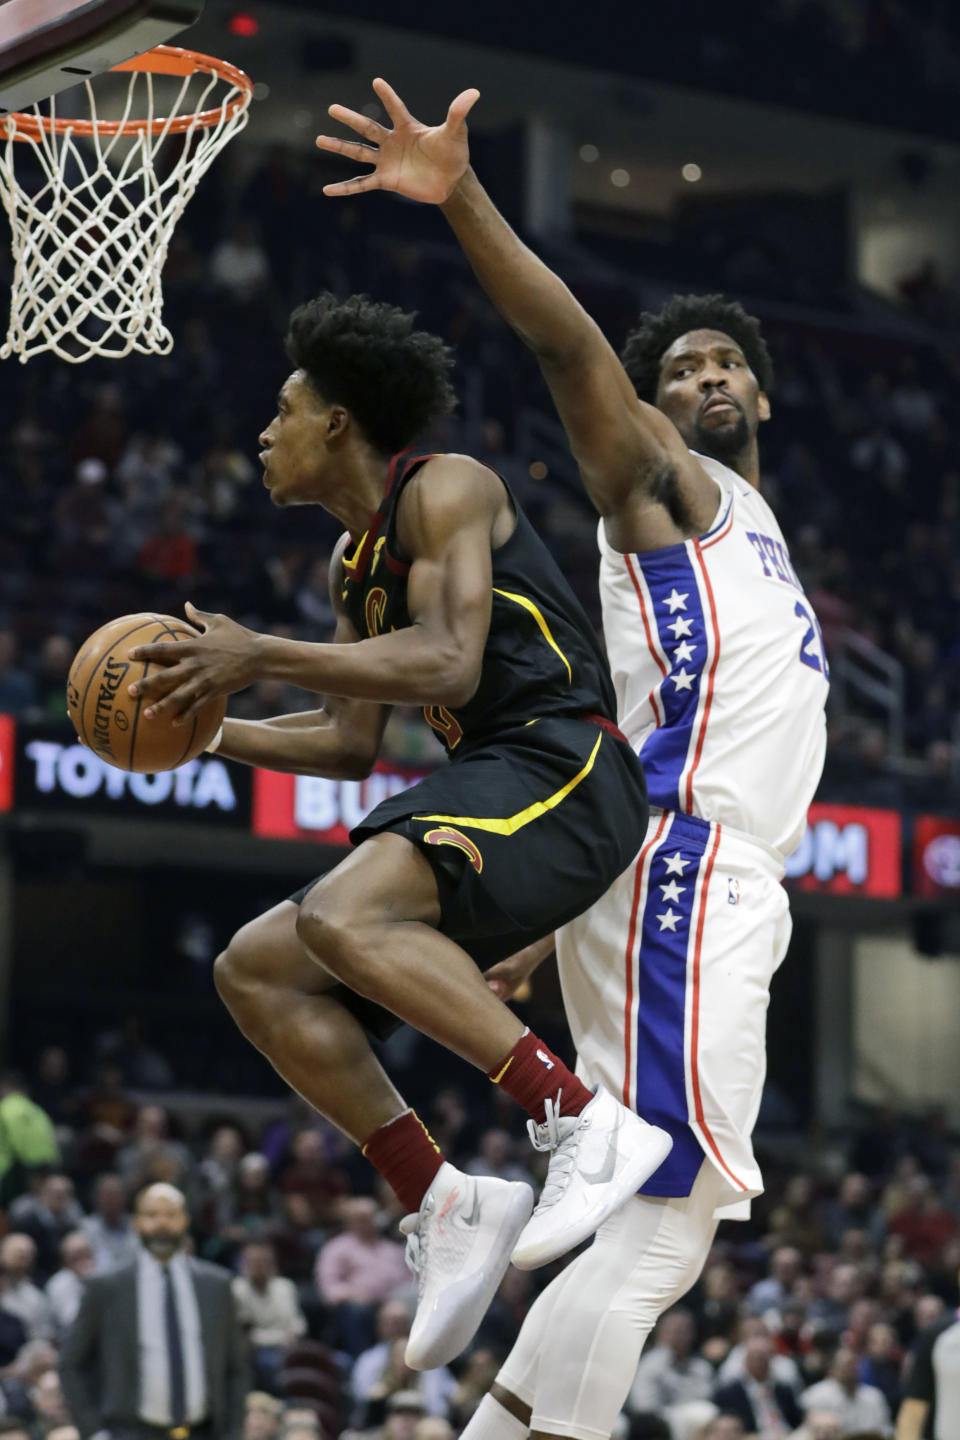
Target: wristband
(214,745)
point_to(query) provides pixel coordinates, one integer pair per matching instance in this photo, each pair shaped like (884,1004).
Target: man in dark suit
(761,1403)
(156,1352)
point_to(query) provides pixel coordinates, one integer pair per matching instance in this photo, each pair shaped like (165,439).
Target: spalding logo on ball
(110,721)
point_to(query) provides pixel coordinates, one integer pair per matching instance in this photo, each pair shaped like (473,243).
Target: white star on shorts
(669,920)
(680,627)
(684,651)
(676,601)
(675,863)
(671,891)
(683,679)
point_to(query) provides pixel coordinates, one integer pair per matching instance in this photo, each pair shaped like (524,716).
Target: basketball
(109,720)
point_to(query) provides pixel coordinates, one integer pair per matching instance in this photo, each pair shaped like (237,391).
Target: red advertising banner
(307,807)
(849,850)
(8,735)
(936,856)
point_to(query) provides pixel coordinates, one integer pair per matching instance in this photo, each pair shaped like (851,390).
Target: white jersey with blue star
(720,671)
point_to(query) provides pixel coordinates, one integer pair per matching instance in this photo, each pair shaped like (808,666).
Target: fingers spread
(392,103)
(361,123)
(462,105)
(353,187)
(352,149)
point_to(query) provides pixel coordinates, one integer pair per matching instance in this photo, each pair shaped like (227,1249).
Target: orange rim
(162,60)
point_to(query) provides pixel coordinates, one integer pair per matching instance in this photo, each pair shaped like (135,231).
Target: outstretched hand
(422,162)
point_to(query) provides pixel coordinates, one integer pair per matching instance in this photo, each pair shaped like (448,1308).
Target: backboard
(50,45)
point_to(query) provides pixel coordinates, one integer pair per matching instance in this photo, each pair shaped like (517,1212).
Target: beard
(722,442)
(162,1246)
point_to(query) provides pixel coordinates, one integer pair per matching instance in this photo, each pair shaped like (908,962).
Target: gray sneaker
(458,1246)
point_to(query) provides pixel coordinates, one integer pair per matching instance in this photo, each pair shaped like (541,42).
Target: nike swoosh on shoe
(607,1170)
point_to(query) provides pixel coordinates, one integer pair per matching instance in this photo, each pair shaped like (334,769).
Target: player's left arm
(445,519)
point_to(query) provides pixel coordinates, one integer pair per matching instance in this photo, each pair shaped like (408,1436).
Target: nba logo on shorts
(733,891)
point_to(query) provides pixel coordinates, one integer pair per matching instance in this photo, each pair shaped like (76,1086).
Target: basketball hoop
(89,245)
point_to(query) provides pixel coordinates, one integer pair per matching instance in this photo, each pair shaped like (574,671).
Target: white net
(91,233)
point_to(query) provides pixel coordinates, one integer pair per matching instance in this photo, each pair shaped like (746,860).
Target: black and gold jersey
(542,657)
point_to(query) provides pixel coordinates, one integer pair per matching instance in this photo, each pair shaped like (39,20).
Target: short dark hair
(646,346)
(366,356)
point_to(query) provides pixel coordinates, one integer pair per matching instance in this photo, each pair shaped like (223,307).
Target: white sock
(491,1421)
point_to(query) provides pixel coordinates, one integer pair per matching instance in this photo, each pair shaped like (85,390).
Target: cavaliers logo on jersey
(374,609)
(449,836)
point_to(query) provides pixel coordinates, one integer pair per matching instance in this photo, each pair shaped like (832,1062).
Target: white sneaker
(600,1158)
(458,1246)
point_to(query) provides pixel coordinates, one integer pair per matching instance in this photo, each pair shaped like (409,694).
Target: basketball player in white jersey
(721,682)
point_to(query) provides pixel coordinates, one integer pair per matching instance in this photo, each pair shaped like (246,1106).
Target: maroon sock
(531,1074)
(406,1155)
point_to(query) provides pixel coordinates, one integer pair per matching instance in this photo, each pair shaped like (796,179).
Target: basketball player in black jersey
(446,598)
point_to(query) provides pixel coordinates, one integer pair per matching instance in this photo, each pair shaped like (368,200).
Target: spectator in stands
(106,1108)
(141,1063)
(56,657)
(404,1412)
(854,1209)
(881,1365)
(794,1221)
(923,1222)
(356,1271)
(64,1289)
(251,1209)
(48,1402)
(268,1309)
(857,1406)
(152,1155)
(496,1158)
(32,1360)
(831,1311)
(371,1367)
(239,264)
(169,551)
(156,1344)
(53,1087)
(670,1372)
(13,1332)
(759,1401)
(784,1369)
(110,1229)
(786,1264)
(47,1217)
(476,1377)
(309,1173)
(432,1427)
(21,1297)
(17,689)
(262,1417)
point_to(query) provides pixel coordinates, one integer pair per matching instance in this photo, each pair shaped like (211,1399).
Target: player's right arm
(636,468)
(341,741)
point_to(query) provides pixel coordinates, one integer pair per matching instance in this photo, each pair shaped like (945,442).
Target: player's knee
(238,973)
(332,937)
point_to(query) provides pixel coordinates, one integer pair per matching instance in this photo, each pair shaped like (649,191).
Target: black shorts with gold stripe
(523,833)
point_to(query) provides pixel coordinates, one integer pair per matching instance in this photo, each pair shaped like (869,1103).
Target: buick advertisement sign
(51,770)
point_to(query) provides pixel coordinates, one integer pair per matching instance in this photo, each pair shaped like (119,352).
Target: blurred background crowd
(140,479)
(815,1303)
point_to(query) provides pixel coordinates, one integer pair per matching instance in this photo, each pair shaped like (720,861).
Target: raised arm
(636,468)
(444,527)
